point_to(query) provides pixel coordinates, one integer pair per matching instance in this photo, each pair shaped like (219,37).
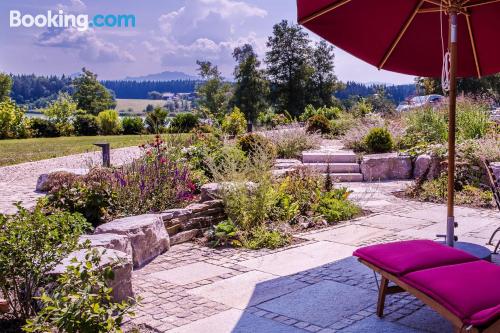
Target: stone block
(109,241)
(184,236)
(389,166)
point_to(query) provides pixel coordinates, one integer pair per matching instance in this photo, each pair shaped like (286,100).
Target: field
(28,150)
(137,105)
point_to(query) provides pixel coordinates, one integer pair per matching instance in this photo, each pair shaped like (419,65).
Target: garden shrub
(473,120)
(251,143)
(425,125)
(264,238)
(341,125)
(61,113)
(335,206)
(224,233)
(86,124)
(13,121)
(319,123)
(361,108)
(234,123)
(270,119)
(133,125)
(43,128)
(379,140)
(156,120)
(31,245)
(291,143)
(109,122)
(82,302)
(329,113)
(183,123)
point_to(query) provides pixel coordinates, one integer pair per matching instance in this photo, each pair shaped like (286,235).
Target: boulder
(184,236)
(41,184)
(121,284)
(388,166)
(287,164)
(422,164)
(210,191)
(147,234)
(109,241)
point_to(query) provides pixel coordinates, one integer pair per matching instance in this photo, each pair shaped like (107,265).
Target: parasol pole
(453,32)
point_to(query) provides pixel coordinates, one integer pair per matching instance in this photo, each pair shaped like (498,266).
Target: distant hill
(163,76)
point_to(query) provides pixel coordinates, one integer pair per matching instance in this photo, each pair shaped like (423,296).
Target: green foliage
(43,128)
(319,124)
(291,143)
(335,206)
(5,86)
(361,108)
(13,121)
(214,93)
(270,119)
(234,123)
(251,87)
(91,95)
(380,102)
(263,238)
(425,125)
(132,125)
(31,245)
(82,301)
(86,124)
(473,120)
(183,123)
(109,122)
(223,234)
(62,112)
(330,113)
(379,140)
(343,124)
(156,120)
(252,142)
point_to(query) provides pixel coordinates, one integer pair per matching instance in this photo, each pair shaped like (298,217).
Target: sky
(170,35)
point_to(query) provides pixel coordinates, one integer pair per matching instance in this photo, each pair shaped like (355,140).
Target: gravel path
(18,182)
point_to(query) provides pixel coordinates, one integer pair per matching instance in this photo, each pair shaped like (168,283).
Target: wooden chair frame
(495,188)
(401,286)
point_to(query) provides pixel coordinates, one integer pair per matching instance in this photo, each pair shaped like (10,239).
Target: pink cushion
(403,257)
(471,290)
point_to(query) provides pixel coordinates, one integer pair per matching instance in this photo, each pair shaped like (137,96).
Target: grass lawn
(27,150)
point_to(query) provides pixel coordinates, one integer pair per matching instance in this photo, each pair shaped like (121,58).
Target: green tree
(380,102)
(13,121)
(5,86)
(322,83)
(61,112)
(214,93)
(109,122)
(91,95)
(251,87)
(287,67)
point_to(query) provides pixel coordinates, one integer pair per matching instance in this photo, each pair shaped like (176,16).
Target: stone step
(334,167)
(345,177)
(329,157)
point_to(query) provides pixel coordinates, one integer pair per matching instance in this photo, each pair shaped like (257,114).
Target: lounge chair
(495,188)
(460,287)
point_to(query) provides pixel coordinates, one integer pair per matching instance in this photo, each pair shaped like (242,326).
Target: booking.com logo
(59,19)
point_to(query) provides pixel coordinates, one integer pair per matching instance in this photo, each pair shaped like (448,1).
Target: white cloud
(73,6)
(89,46)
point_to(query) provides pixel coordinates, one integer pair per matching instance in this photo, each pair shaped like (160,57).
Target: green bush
(183,123)
(473,120)
(252,143)
(82,302)
(291,143)
(43,128)
(361,108)
(86,124)
(425,125)
(330,113)
(234,123)
(263,238)
(31,245)
(379,140)
(335,206)
(109,122)
(133,125)
(319,124)
(61,112)
(13,121)
(156,120)
(223,234)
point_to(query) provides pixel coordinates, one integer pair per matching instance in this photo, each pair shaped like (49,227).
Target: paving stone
(427,320)
(236,321)
(192,273)
(298,259)
(248,289)
(349,234)
(375,325)
(310,304)
(393,222)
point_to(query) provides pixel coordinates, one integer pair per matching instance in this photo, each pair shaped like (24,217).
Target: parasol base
(478,251)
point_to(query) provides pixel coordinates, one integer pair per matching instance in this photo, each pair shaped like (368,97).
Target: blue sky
(169,35)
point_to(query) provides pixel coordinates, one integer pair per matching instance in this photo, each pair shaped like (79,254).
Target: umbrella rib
(482,3)
(400,35)
(473,43)
(323,11)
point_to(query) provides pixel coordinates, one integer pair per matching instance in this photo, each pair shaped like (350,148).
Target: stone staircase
(342,165)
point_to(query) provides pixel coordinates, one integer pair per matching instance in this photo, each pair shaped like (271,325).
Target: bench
(460,287)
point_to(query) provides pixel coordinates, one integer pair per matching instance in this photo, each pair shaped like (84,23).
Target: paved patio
(315,286)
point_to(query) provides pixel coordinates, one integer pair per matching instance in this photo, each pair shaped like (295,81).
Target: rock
(386,167)
(180,214)
(122,283)
(280,173)
(422,165)
(210,191)
(4,306)
(147,234)
(184,236)
(287,164)
(109,241)
(495,166)
(41,184)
